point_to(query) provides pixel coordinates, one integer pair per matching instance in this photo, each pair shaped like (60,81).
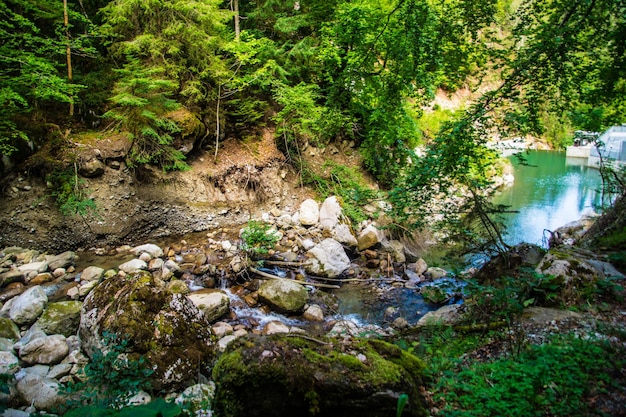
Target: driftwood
(284,263)
(271,276)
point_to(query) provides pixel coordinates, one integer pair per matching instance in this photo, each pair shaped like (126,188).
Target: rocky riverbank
(186,308)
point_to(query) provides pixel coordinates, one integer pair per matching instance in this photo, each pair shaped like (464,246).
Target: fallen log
(272,276)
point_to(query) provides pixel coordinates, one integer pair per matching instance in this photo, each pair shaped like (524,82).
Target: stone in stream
(283,296)
(328,258)
(213,303)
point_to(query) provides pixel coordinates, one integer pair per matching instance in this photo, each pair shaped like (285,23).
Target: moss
(294,375)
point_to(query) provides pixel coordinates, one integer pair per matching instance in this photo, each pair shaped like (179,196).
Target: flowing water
(552,191)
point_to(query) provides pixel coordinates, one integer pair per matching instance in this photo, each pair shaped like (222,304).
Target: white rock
(134,265)
(223,343)
(446,315)
(197,399)
(309,212)
(213,304)
(330,213)
(342,234)
(33,266)
(28,306)
(275,327)
(153,250)
(92,273)
(328,258)
(140,398)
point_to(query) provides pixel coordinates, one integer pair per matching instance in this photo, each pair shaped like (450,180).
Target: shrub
(110,379)
(259,237)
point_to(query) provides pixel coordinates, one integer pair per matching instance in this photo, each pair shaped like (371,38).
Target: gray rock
(36,267)
(13,275)
(9,363)
(59,370)
(62,260)
(309,213)
(446,315)
(132,266)
(154,250)
(92,168)
(328,258)
(47,350)
(396,248)
(40,392)
(92,273)
(314,313)
(28,306)
(214,304)
(283,296)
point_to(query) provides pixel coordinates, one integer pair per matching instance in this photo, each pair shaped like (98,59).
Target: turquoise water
(554,191)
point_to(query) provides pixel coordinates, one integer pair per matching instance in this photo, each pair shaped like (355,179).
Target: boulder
(28,306)
(8,329)
(396,249)
(92,273)
(62,260)
(167,329)
(446,315)
(328,258)
(47,350)
(342,234)
(314,313)
(283,296)
(330,213)
(369,237)
(309,213)
(287,376)
(40,391)
(213,303)
(14,275)
(92,168)
(133,266)
(62,317)
(275,327)
(434,273)
(152,249)
(9,363)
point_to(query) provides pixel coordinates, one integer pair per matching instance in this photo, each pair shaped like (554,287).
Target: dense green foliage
(322,71)
(111,378)
(259,237)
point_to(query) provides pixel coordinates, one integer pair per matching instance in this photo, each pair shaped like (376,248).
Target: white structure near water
(613,148)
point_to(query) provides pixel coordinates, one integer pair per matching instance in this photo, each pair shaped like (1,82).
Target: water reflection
(551,192)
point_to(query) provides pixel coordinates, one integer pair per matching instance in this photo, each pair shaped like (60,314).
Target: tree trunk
(235,4)
(68,51)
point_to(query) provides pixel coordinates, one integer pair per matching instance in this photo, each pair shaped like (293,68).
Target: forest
(183,81)
(316,72)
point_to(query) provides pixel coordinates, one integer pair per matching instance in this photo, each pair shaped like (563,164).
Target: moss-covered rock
(62,317)
(8,329)
(292,375)
(166,328)
(282,295)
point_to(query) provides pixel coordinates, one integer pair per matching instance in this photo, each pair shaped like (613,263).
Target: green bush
(552,379)
(70,193)
(110,379)
(259,237)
